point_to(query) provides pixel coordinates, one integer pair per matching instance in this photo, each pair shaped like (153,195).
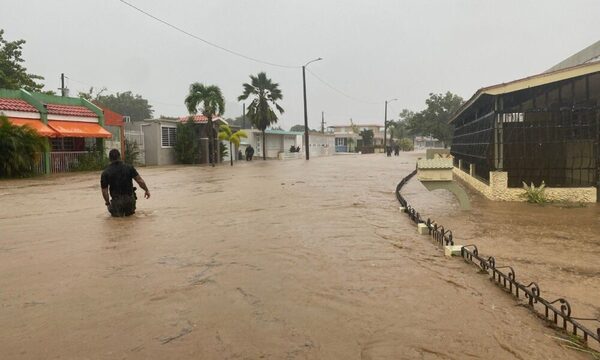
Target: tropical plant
(20,149)
(406,144)
(351,144)
(266,93)
(210,102)
(535,195)
(125,103)
(223,152)
(226,134)
(433,120)
(132,152)
(13,75)
(367,137)
(298,128)
(186,145)
(93,160)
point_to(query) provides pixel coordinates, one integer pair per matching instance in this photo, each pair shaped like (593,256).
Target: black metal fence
(557,311)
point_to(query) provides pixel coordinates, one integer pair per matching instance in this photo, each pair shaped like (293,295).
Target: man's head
(114,155)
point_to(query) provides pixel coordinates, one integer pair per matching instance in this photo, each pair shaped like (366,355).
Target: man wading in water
(116,178)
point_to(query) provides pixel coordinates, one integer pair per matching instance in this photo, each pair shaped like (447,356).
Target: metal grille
(472,143)
(557,148)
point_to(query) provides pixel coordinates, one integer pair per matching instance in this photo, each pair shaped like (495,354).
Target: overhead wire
(236,53)
(340,91)
(210,43)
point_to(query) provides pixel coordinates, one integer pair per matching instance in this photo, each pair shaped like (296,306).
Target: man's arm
(105,196)
(138,179)
(104,187)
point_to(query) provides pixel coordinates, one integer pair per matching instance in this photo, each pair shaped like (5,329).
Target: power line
(340,91)
(206,41)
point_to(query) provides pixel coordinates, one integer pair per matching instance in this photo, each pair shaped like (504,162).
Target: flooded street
(279,260)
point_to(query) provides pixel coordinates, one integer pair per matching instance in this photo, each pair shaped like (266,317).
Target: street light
(305,115)
(385,126)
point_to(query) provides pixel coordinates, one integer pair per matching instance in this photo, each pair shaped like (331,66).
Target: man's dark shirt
(117,177)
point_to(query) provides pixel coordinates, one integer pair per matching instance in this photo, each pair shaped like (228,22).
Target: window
(168,135)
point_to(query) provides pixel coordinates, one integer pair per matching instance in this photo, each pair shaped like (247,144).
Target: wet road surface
(273,260)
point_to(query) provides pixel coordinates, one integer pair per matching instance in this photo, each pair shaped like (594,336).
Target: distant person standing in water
(116,180)
(249,153)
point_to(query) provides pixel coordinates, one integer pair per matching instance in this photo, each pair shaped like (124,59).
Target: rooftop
(70,110)
(16,105)
(529,82)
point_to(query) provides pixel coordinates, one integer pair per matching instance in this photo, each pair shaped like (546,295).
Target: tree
(226,134)
(237,121)
(397,129)
(13,75)
(89,95)
(210,102)
(186,146)
(132,152)
(260,111)
(127,104)
(20,148)
(367,137)
(298,127)
(433,120)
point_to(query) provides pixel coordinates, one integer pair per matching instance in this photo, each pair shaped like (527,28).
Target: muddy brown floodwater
(278,260)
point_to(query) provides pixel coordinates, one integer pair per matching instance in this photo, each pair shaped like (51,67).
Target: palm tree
(19,149)
(210,102)
(226,134)
(260,111)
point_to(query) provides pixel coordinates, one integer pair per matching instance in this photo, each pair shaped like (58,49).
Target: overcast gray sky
(373,50)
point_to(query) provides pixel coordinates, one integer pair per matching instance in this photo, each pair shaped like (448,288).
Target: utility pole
(385,126)
(243,115)
(305,115)
(62,85)
(385,129)
(322,122)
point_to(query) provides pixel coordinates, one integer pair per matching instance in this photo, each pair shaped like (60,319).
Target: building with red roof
(72,125)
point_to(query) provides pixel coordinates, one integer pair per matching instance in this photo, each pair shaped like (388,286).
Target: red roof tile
(200,119)
(16,105)
(70,110)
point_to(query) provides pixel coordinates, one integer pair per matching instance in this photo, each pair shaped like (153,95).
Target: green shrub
(406,144)
(223,151)
(132,152)
(93,160)
(535,195)
(186,144)
(20,149)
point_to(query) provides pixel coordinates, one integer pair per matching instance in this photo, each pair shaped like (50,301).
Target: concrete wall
(498,189)
(321,144)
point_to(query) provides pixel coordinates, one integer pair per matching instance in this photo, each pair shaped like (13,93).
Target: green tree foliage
(186,144)
(433,120)
(226,134)
(406,144)
(298,127)
(13,75)
(210,102)
(20,149)
(238,121)
(126,104)
(93,160)
(92,94)
(397,129)
(261,111)
(132,152)
(367,137)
